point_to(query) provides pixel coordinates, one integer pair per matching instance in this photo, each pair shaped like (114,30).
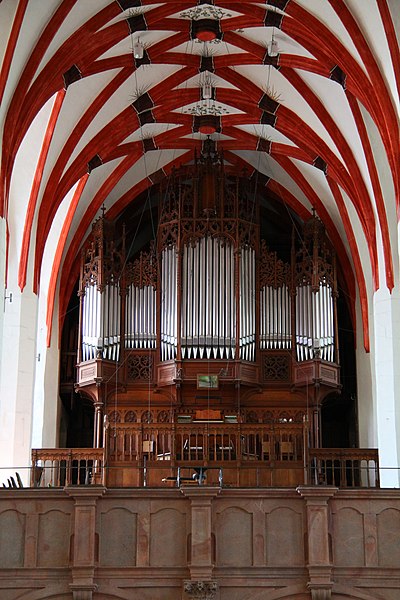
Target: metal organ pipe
(208,302)
(314,323)
(247,304)
(275,318)
(140,330)
(100,322)
(168,303)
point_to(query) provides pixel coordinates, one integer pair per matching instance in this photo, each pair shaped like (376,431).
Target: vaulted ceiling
(100,99)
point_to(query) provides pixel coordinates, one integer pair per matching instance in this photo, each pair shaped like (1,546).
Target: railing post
(33,468)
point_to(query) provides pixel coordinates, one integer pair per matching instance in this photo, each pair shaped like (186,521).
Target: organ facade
(206,327)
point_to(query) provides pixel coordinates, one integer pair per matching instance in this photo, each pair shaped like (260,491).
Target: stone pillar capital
(317,494)
(85,495)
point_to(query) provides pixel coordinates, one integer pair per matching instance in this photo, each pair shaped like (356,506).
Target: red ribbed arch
(160,13)
(14,130)
(68,54)
(372,93)
(116,131)
(49,80)
(103,143)
(321,42)
(290,125)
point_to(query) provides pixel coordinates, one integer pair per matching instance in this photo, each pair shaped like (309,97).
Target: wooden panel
(166,373)
(388,522)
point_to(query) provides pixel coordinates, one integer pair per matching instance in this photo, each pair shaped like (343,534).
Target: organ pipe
(100,294)
(315,284)
(168,333)
(247,304)
(101,323)
(208,300)
(275,301)
(314,323)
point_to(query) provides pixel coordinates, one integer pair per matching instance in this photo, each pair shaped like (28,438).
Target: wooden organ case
(206,348)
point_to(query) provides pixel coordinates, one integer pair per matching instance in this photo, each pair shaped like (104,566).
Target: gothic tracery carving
(276,367)
(201,590)
(274,272)
(140,367)
(142,271)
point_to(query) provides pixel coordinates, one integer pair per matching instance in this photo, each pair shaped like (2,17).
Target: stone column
(385,350)
(201,564)
(319,559)
(84,545)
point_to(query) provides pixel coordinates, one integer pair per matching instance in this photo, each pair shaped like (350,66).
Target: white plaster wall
(46,402)
(3,472)
(365,398)
(18,342)
(17,377)
(385,328)
(386,322)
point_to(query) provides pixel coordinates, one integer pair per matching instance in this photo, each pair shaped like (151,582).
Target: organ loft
(205,340)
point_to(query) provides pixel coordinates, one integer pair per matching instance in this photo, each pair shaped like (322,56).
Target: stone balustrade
(199,542)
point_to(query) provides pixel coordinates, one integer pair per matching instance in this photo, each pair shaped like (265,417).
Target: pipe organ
(208,235)
(168,303)
(99,289)
(208,320)
(141,301)
(275,301)
(208,288)
(315,285)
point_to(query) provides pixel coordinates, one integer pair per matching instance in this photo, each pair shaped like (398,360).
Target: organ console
(208,296)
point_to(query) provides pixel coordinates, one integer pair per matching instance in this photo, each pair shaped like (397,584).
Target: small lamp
(206,91)
(138,50)
(273,48)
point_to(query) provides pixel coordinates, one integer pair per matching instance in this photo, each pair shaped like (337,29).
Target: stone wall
(201,543)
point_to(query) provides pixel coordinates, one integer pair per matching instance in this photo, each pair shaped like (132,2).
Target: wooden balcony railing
(246,454)
(54,467)
(344,467)
(205,442)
